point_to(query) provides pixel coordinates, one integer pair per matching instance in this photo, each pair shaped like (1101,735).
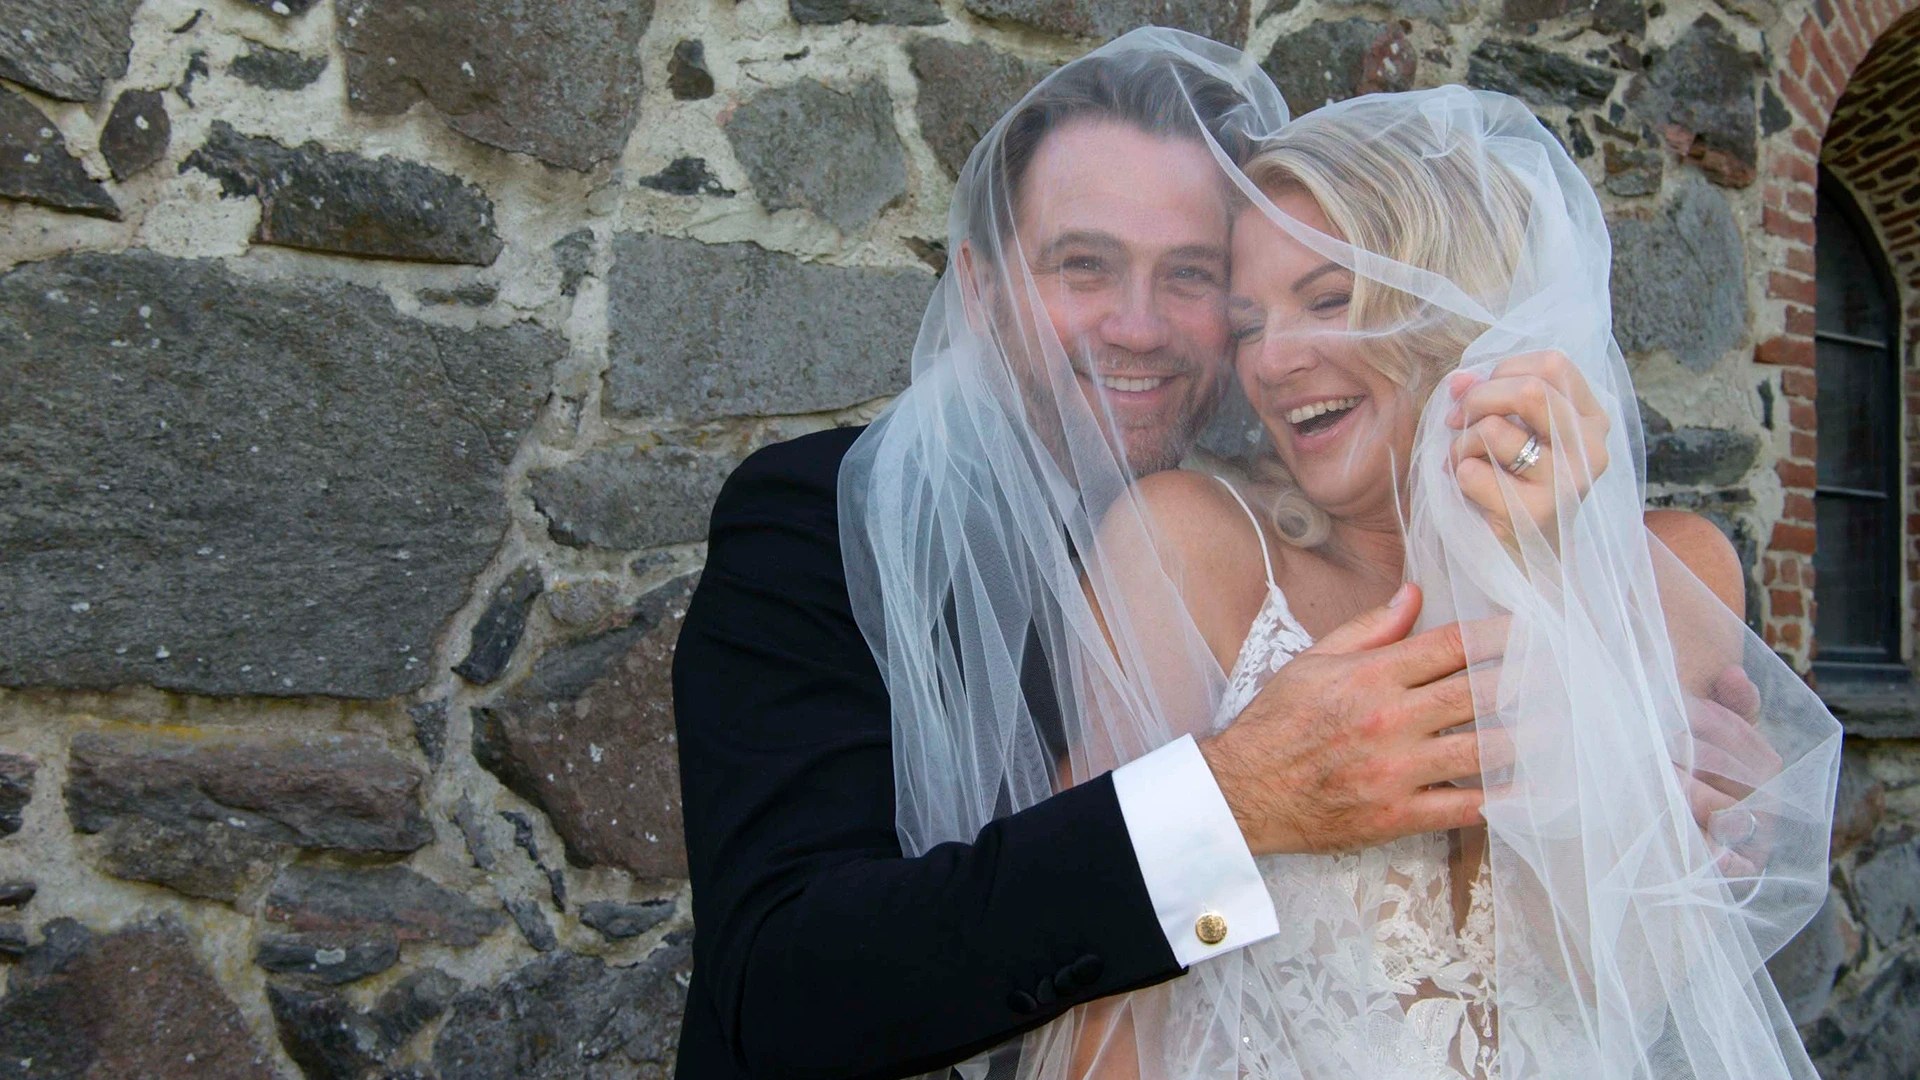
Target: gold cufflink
(1211,927)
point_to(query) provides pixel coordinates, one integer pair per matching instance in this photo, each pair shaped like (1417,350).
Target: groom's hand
(1343,749)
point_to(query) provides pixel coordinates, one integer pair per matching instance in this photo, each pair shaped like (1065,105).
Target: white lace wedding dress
(1435,966)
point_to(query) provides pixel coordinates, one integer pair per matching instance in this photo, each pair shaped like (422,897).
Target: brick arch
(1819,67)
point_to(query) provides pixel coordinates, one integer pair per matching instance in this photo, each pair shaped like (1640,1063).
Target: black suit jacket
(819,949)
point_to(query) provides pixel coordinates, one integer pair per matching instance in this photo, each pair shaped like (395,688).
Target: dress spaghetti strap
(1258,532)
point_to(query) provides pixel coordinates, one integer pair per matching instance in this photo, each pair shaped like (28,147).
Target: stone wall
(369,368)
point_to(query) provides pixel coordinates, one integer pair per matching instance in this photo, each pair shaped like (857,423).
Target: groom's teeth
(1131,386)
(1307,412)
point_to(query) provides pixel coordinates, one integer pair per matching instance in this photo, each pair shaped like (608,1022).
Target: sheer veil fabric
(998,548)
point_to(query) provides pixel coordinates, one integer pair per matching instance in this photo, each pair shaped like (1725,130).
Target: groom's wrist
(1240,787)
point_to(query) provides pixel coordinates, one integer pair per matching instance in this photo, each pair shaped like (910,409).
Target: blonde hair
(1428,197)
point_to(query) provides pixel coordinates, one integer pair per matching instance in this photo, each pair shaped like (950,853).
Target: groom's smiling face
(1125,234)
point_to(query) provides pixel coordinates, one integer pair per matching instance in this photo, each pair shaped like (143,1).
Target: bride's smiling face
(1337,422)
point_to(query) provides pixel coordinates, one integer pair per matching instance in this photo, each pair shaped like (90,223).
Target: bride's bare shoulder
(1704,549)
(1196,516)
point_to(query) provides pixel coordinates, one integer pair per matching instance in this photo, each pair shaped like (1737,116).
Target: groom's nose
(1135,322)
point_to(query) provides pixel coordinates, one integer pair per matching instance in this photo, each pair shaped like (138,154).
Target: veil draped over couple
(1411,292)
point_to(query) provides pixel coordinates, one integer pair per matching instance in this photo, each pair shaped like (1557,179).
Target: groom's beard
(1144,439)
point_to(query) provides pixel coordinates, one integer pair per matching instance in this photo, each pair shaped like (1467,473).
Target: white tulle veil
(1031,633)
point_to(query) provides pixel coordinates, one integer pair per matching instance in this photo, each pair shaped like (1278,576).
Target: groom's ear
(972,289)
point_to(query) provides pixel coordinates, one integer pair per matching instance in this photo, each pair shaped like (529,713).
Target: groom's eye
(1083,269)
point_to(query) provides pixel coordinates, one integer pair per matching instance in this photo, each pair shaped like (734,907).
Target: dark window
(1857,504)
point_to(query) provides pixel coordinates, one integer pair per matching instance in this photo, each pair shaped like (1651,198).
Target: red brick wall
(1851,66)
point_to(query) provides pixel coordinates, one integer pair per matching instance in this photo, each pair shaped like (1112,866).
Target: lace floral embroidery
(1440,976)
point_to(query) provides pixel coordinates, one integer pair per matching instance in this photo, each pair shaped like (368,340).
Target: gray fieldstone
(276,69)
(1337,59)
(1537,76)
(558,81)
(66,49)
(497,632)
(315,479)
(687,76)
(1874,1034)
(1222,20)
(284,8)
(316,199)
(35,166)
(590,606)
(619,920)
(589,739)
(209,859)
(134,1002)
(963,90)
(1679,278)
(532,923)
(203,813)
(472,294)
(430,728)
(137,132)
(701,331)
(1804,969)
(1633,172)
(472,823)
(565,1016)
(319,959)
(1701,92)
(810,147)
(634,497)
(328,1036)
(1700,455)
(1859,805)
(573,255)
(1886,890)
(16,789)
(352,909)
(894,12)
(687,176)
(1607,16)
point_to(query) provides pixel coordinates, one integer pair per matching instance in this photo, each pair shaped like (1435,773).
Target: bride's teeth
(1307,412)
(1131,386)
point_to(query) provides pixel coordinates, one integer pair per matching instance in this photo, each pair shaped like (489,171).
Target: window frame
(1888,662)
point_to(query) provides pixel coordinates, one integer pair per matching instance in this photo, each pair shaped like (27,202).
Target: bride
(1420,320)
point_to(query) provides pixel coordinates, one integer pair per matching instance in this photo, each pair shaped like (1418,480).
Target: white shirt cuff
(1191,853)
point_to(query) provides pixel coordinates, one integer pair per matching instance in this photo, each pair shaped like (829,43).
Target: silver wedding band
(1723,828)
(1525,459)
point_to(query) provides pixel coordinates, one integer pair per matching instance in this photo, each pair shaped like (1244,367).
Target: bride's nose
(1277,356)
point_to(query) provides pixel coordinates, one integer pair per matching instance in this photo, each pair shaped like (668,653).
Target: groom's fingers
(1444,651)
(1442,808)
(1374,629)
(1443,703)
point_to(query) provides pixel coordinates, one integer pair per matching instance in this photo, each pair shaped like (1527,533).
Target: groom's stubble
(1167,218)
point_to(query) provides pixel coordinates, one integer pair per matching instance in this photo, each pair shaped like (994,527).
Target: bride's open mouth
(1317,421)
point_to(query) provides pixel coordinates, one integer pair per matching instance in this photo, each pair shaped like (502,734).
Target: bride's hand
(1536,419)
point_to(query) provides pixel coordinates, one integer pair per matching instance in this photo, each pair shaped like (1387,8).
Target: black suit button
(1082,973)
(1044,993)
(1021,1002)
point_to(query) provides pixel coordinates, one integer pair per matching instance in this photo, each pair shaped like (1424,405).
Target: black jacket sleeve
(819,950)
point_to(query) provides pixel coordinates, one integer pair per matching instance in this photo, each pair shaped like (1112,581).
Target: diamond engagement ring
(1525,459)
(1734,827)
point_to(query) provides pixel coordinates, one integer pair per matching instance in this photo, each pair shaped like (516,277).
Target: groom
(820,950)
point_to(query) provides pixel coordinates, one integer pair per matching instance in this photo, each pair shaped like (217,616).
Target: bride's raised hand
(1534,418)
